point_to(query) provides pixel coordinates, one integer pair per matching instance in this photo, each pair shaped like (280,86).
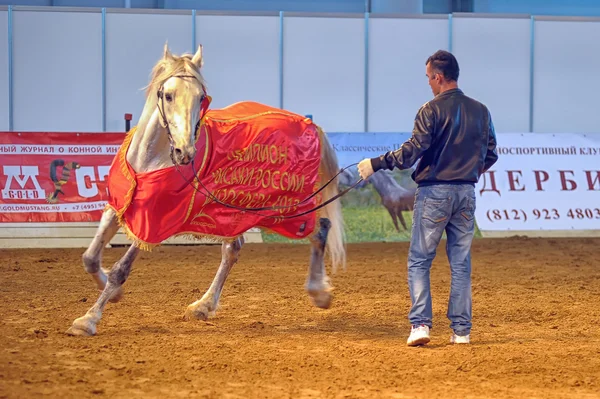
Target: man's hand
(365,169)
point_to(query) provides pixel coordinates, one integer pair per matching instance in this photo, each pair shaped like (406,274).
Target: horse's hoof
(77,331)
(83,327)
(195,314)
(321,299)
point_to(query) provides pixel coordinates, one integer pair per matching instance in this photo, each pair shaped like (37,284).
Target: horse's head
(182,101)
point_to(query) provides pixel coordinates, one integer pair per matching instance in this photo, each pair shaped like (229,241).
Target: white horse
(165,138)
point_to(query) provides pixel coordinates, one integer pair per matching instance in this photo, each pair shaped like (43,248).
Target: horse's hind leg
(317,283)
(207,305)
(86,325)
(92,257)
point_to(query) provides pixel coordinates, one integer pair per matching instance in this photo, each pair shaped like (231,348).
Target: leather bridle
(204,103)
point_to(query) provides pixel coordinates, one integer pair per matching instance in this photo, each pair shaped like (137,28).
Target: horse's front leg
(86,325)
(207,305)
(92,257)
(317,284)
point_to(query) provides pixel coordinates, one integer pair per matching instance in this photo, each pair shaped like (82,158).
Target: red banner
(55,177)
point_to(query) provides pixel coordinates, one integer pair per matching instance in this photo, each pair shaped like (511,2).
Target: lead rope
(254,210)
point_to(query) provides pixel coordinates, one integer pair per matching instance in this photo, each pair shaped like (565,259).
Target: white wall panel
(57,66)
(565,85)
(494,59)
(241,58)
(398,49)
(134,44)
(324,71)
(57,71)
(3,70)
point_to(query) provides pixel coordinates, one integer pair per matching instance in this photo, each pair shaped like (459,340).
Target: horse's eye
(168,97)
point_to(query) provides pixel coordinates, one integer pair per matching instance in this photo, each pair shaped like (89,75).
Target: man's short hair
(445,63)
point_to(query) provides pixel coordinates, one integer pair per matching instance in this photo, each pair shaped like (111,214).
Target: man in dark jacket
(454,139)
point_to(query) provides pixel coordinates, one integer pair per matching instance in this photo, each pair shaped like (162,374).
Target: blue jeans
(439,208)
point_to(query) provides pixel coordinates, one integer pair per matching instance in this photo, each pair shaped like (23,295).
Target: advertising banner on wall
(541,182)
(54,177)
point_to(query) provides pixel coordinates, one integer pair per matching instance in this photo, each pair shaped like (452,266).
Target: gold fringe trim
(141,244)
(200,169)
(194,236)
(125,171)
(149,247)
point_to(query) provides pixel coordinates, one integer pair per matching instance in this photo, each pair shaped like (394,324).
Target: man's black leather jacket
(454,137)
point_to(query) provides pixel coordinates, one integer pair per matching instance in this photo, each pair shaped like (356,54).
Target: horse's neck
(149,149)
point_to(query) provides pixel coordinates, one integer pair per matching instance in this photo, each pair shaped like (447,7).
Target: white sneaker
(419,335)
(459,339)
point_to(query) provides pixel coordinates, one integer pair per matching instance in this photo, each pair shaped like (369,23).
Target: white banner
(542,181)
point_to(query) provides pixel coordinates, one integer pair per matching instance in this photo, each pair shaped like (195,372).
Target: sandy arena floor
(536,326)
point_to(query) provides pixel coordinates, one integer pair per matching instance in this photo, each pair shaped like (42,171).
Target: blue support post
(366,78)
(10,70)
(281,59)
(193,31)
(450,32)
(531,71)
(104,69)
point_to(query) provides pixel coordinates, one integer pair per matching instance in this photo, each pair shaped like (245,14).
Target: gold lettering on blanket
(258,177)
(202,219)
(273,154)
(249,199)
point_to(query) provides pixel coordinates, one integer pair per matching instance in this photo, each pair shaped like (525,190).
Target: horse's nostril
(177,151)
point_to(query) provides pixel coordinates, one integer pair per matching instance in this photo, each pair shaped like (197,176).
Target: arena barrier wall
(53,188)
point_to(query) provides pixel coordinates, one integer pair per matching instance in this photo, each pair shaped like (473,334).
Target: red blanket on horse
(249,155)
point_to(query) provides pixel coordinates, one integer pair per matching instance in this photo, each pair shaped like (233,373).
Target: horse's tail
(333,211)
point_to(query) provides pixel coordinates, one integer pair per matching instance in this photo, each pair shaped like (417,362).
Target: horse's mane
(170,66)
(167,67)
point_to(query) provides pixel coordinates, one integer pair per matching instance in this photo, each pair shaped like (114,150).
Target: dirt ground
(536,305)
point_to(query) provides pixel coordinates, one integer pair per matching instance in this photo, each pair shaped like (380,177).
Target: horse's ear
(166,52)
(197,59)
